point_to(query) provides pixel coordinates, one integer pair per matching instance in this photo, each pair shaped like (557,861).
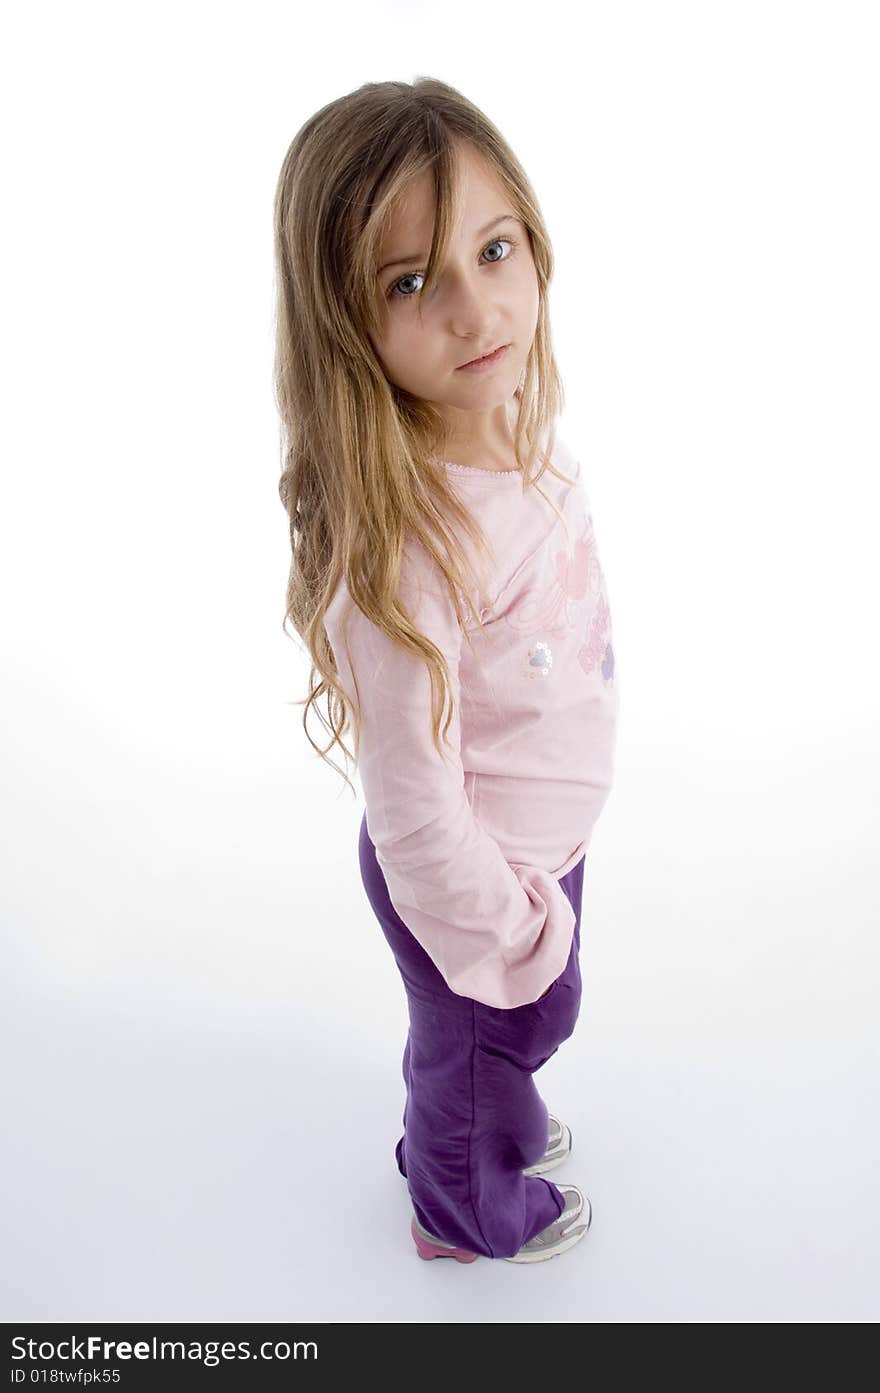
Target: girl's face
(486,296)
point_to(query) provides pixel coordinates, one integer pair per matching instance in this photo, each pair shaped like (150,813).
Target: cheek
(529,287)
(407,340)
(391,346)
(530,302)
(404,352)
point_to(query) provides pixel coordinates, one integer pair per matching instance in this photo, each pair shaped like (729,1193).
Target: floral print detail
(576,596)
(555,612)
(576,575)
(596,651)
(540,660)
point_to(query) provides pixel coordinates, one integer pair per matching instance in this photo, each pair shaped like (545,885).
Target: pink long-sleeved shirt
(473,847)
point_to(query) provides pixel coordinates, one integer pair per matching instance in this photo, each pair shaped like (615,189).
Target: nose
(468,302)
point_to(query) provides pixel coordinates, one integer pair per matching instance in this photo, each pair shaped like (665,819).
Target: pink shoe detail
(428,1248)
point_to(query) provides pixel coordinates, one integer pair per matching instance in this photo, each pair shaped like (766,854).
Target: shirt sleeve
(498,932)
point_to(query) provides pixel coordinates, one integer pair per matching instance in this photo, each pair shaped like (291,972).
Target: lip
(482,364)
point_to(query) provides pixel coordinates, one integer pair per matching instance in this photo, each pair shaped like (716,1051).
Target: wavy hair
(360,475)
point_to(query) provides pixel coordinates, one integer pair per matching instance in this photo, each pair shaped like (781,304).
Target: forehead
(475,194)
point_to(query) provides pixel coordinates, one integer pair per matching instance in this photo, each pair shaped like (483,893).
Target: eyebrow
(423,256)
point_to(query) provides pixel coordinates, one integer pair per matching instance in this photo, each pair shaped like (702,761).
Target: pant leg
(473,1117)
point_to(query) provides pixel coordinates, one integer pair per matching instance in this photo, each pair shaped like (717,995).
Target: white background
(202,1022)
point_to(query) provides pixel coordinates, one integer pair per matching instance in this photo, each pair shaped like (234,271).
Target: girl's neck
(493,455)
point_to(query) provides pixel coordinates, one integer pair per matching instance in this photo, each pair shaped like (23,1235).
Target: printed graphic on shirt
(596,651)
(554,611)
(575,596)
(597,647)
(540,660)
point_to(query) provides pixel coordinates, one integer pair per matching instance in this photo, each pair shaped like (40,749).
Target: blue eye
(395,294)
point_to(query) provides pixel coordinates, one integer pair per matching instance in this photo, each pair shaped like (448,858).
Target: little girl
(446,581)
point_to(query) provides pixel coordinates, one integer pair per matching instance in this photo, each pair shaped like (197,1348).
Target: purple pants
(473,1118)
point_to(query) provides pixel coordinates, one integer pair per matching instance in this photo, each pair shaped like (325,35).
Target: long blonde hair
(359,478)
